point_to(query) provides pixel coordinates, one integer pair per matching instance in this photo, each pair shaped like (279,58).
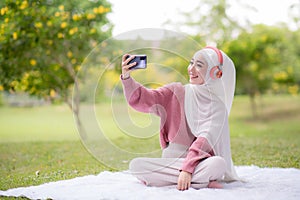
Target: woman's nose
(191,68)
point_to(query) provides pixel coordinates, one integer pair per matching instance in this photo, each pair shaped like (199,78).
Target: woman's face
(197,69)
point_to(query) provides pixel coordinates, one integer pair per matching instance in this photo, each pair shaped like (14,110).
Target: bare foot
(215,184)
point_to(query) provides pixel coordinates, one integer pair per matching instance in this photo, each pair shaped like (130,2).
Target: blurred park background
(46,44)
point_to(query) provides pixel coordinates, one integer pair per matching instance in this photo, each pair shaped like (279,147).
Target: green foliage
(210,21)
(42,43)
(264,58)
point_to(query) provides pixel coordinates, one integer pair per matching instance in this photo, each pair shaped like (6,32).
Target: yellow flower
(33,62)
(38,25)
(6,20)
(77,68)
(49,23)
(50,42)
(26,75)
(92,31)
(60,35)
(91,16)
(64,25)
(73,61)
(76,17)
(95,10)
(52,93)
(15,36)
(69,54)
(4,10)
(73,30)
(100,10)
(61,7)
(14,84)
(32,90)
(1,88)
(24,5)
(57,14)
(280,76)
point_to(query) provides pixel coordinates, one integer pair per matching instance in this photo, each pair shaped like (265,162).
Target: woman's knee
(217,167)
(135,164)
(212,168)
(217,162)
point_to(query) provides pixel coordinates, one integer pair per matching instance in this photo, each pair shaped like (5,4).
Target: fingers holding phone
(126,66)
(132,62)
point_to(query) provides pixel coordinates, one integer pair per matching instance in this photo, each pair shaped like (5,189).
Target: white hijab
(207,108)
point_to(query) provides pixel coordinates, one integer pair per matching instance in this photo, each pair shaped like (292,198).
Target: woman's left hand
(184,180)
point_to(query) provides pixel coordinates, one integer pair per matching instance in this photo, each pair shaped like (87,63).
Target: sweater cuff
(188,169)
(189,166)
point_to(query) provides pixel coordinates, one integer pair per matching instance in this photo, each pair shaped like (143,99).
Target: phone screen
(141,61)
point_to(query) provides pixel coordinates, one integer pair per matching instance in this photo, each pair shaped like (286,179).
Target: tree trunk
(253,105)
(74,104)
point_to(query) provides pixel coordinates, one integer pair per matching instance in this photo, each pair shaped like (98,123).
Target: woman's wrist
(125,76)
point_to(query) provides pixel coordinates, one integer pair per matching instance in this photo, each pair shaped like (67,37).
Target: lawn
(41,144)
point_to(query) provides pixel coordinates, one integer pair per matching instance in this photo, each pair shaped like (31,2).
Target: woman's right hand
(184,180)
(125,66)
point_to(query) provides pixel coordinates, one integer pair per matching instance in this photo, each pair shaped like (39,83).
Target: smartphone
(141,62)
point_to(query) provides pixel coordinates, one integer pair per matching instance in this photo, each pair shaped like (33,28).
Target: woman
(194,132)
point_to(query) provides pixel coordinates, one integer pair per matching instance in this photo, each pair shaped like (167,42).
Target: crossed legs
(165,171)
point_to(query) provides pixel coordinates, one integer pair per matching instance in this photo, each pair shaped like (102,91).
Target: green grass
(32,163)
(272,139)
(46,123)
(41,144)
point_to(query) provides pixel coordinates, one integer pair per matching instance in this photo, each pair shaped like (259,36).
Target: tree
(42,44)
(258,56)
(210,22)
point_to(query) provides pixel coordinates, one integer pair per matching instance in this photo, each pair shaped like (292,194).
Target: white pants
(165,171)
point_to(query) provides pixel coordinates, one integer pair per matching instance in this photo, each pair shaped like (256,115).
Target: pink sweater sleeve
(143,99)
(199,150)
(150,101)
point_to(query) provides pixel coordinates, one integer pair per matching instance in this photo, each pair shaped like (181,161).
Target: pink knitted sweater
(168,103)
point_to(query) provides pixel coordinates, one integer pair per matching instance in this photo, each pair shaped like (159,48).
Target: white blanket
(261,183)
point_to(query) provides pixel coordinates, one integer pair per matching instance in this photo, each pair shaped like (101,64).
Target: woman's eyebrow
(199,61)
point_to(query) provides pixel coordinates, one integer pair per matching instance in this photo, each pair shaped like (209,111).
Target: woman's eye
(191,63)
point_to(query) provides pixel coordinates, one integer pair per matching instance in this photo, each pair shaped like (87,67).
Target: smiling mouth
(193,77)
